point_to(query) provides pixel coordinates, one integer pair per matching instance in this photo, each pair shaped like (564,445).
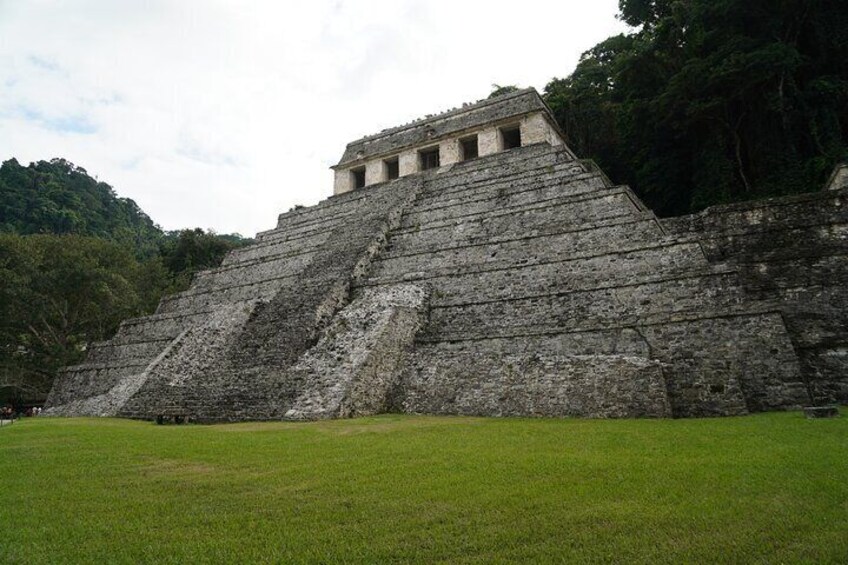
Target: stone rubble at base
(517,283)
(817,412)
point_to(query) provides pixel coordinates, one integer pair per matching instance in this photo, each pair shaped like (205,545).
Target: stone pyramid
(502,277)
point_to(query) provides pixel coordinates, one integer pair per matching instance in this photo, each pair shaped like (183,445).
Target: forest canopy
(76,260)
(713,101)
(58,197)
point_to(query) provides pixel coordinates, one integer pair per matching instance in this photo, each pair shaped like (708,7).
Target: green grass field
(769,488)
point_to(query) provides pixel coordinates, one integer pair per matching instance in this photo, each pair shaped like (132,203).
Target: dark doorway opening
(392,168)
(358,177)
(469,147)
(429,158)
(511,137)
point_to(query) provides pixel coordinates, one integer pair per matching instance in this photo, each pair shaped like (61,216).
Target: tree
(186,252)
(58,197)
(60,293)
(711,101)
(498,90)
(75,260)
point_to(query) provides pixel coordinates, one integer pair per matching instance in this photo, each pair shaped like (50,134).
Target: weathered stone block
(815,412)
(355,366)
(408,163)
(488,142)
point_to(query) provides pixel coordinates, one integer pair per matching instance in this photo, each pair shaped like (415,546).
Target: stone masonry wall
(791,253)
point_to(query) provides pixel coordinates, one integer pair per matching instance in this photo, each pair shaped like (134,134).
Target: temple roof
(420,131)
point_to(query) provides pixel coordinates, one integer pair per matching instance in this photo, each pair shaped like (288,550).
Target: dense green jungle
(76,260)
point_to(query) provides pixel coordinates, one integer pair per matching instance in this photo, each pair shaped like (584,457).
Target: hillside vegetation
(76,260)
(768,488)
(57,197)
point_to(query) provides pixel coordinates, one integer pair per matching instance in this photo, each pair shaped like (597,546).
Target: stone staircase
(220,350)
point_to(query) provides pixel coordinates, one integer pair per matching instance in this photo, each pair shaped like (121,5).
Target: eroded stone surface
(791,253)
(354,368)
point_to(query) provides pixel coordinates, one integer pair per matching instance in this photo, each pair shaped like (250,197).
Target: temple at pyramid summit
(469,263)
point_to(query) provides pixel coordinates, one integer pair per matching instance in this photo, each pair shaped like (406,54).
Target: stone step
(325,215)
(567,209)
(506,278)
(326,222)
(292,233)
(455,182)
(100,377)
(596,341)
(501,286)
(329,206)
(710,293)
(446,248)
(115,350)
(271,248)
(81,382)
(484,186)
(500,165)
(334,208)
(524,191)
(252,272)
(289,243)
(339,217)
(566,214)
(216,378)
(206,300)
(112,365)
(160,326)
(590,330)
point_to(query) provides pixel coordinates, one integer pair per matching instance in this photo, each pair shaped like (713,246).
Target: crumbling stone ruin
(469,263)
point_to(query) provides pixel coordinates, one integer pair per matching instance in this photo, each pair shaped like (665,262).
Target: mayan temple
(469,263)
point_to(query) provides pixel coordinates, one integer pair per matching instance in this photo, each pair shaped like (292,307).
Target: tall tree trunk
(737,149)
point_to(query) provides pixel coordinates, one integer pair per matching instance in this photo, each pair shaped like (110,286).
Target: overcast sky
(221,114)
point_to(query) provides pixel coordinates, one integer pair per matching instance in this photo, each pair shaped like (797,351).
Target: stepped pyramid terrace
(469,263)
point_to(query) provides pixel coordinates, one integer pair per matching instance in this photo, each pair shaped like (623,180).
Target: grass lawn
(769,488)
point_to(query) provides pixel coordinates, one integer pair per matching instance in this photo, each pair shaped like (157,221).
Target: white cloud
(221,114)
